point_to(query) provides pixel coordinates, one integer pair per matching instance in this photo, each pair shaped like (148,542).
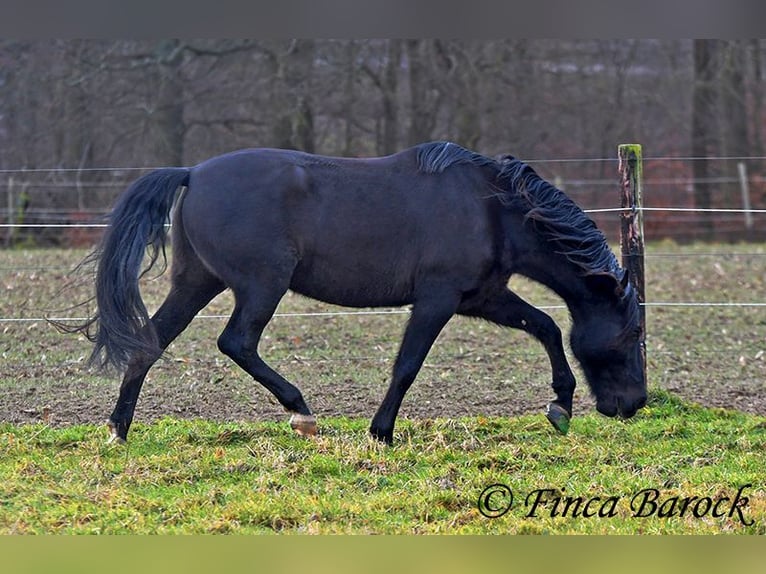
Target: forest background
(80,119)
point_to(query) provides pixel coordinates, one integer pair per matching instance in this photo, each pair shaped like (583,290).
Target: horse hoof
(114,438)
(304,425)
(382,438)
(558,417)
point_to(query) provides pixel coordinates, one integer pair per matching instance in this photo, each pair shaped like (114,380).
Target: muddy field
(709,354)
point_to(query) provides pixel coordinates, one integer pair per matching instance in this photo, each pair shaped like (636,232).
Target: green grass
(178,476)
(472,419)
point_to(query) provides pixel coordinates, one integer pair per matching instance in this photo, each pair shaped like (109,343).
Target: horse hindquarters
(237,223)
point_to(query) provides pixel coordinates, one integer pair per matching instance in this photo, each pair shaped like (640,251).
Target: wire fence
(403,311)
(64,270)
(68,206)
(74,188)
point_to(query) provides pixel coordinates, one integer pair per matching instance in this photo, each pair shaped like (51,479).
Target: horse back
(358,232)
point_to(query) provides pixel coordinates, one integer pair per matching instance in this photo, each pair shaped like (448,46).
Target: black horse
(436,226)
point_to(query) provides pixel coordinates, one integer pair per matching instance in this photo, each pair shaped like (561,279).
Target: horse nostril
(628,408)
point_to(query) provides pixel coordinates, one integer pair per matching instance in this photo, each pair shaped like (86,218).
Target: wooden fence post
(632,227)
(743,185)
(9,233)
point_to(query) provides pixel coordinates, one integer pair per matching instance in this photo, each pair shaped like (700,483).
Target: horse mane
(572,233)
(564,224)
(435,157)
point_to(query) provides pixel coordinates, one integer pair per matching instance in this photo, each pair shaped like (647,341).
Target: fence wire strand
(712,210)
(129,171)
(332,314)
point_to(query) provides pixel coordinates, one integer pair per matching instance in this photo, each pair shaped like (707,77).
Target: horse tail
(137,222)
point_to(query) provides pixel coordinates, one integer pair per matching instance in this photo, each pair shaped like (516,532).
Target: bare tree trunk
(168,114)
(735,141)
(758,94)
(390,90)
(424,96)
(619,64)
(349,98)
(704,126)
(464,92)
(73,137)
(294,127)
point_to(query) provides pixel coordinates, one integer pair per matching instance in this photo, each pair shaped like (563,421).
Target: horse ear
(625,281)
(605,284)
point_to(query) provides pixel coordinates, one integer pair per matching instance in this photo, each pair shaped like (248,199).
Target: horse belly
(384,266)
(373,281)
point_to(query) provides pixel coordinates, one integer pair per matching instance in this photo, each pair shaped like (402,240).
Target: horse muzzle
(623,407)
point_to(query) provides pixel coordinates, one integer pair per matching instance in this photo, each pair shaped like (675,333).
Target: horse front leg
(428,318)
(509,310)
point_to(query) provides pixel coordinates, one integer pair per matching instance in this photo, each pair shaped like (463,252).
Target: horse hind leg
(239,341)
(184,301)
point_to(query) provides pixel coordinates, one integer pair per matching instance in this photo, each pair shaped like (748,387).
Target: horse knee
(230,344)
(546,330)
(404,374)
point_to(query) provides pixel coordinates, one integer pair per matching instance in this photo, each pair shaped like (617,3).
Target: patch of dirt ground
(225,395)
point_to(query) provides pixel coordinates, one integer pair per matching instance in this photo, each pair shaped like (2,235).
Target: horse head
(606,339)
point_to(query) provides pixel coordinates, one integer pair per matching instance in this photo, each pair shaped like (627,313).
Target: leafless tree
(80,104)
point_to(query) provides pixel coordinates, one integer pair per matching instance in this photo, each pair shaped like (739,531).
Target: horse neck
(563,278)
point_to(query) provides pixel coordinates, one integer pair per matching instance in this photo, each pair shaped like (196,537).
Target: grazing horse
(435,226)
